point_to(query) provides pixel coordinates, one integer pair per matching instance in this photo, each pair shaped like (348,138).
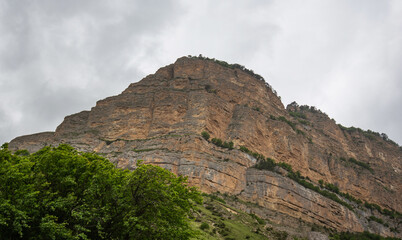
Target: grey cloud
(59,57)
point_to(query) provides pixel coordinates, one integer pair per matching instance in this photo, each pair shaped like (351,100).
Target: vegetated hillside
(224,127)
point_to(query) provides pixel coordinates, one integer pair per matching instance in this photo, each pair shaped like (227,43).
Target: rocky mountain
(295,163)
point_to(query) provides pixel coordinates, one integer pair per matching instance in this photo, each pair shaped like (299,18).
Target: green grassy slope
(214,219)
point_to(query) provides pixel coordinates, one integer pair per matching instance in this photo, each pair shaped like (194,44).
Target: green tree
(60,193)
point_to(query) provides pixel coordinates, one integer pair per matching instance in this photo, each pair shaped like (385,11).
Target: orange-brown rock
(160,118)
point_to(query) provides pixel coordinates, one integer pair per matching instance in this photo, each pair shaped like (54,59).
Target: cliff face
(160,118)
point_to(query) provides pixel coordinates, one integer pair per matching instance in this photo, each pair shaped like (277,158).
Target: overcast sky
(59,57)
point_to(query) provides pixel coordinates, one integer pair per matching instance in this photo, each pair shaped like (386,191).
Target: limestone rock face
(159,119)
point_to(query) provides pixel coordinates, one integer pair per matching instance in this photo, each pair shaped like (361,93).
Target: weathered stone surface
(160,118)
(273,191)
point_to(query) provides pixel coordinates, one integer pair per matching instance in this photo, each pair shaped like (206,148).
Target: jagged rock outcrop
(160,118)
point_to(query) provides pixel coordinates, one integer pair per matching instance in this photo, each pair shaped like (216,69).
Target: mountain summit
(226,129)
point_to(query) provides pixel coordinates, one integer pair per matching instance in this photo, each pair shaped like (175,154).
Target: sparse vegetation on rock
(358,163)
(223,144)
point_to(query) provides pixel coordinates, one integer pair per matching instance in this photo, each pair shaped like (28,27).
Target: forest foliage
(60,193)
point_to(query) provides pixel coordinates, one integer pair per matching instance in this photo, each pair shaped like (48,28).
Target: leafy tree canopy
(60,193)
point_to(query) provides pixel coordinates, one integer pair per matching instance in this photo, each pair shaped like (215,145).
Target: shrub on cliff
(290,123)
(298,115)
(266,164)
(361,164)
(245,149)
(218,142)
(287,167)
(60,193)
(205,135)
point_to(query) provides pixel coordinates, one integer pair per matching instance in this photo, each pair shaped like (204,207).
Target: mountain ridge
(160,119)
